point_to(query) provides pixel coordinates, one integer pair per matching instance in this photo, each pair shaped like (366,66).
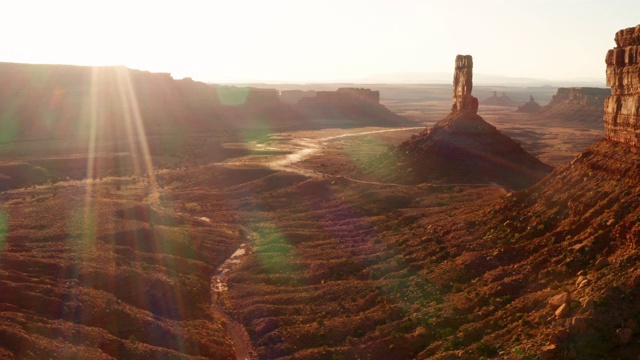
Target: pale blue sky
(318,41)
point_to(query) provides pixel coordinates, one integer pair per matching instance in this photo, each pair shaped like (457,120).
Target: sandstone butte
(622,108)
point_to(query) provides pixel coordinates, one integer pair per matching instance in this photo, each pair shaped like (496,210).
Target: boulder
(558,300)
(563,311)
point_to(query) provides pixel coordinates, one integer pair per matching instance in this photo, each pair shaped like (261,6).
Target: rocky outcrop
(349,105)
(580,106)
(531,107)
(463,148)
(463,101)
(502,100)
(589,96)
(622,108)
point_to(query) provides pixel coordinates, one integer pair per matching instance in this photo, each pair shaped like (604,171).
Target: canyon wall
(580,96)
(580,106)
(344,96)
(462,86)
(622,108)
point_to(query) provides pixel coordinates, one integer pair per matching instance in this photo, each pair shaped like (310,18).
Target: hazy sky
(318,40)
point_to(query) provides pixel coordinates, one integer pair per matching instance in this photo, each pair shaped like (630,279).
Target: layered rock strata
(622,108)
(463,101)
(581,106)
(580,96)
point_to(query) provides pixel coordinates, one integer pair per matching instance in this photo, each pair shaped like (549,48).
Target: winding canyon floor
(335,265)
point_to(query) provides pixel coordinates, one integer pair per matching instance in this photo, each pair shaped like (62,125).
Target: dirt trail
(307,147)
(301,149)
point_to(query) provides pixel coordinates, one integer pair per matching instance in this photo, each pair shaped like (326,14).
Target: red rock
(563,311)
(602,263)
(578,325)
(558,300)
(463,101)
(549,352)
(588,304)
(559,336)
(622,108)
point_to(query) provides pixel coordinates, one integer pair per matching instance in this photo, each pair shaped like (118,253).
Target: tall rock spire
(622,108)
(462,86)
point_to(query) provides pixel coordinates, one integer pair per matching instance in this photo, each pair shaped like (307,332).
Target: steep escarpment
(622,108)
(578,232)
(351,106)
(44,102)
(463,148)
(577,106)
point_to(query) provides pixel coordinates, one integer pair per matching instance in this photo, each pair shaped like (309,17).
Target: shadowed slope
(463,148)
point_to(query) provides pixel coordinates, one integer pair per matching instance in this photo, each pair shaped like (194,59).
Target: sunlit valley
(146,215)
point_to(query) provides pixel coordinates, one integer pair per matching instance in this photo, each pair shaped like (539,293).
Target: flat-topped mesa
(622,108)
(462,86)
(580,96)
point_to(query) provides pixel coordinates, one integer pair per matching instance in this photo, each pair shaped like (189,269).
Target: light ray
(136,134)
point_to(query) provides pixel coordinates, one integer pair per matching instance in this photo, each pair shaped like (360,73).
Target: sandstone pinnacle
(463,101)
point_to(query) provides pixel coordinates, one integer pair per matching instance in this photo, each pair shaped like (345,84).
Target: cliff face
(582,223)
(350,106)
(580,106)
(622,108)
(44,102)
(581,96)
(343,96)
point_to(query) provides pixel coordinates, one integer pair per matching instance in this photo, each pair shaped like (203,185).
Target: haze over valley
(319,180)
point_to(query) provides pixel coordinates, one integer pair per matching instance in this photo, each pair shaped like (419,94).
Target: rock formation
(463,148)
(581,106)
(622,108)
(495,100)
(463,101)
(531,107)
(348,105)
(580,96)
(344,96)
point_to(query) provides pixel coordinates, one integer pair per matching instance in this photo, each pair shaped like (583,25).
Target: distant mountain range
(479,79)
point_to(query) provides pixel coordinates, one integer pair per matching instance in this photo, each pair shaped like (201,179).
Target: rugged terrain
(462,148)
(116,260)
